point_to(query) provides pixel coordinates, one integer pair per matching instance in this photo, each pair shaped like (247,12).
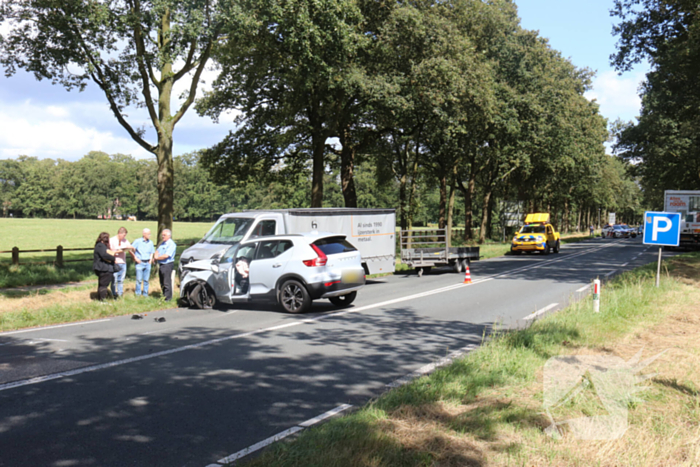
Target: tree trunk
(451,205)
(412,187)
(565,221)
(578,223)
(318,143)
(403,201)
(347,169)
(166,179)
(443,202)
(468,193)
(164,150)
(484,216)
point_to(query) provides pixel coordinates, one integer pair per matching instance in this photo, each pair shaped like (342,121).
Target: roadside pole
(658,267)
(596,296)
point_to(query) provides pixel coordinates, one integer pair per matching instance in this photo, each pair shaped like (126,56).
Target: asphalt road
(205,384)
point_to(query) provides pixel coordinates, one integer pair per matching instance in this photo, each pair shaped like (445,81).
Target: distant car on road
(615,231)
(628,231)
(292,270)
(536,235)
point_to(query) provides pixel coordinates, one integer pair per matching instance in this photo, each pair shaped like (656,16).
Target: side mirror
(215,266)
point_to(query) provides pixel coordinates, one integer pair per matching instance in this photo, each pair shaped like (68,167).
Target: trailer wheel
(457,266)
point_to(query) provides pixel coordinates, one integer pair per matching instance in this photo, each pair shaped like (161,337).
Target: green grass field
(49,233)
(38,234)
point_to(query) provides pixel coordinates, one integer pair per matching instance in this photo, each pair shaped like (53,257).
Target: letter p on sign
(658,228)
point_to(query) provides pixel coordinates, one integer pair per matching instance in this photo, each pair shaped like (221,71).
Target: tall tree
(664,143)
(134,50)
(286,75)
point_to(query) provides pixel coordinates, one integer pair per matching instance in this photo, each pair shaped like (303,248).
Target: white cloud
(34,130)
(618,96)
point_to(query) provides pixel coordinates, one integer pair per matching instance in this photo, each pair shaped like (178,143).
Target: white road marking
(584,288)
(611,273)
(49,340)
(281,435)
(81,323)
(323,416)
(541,311)
(90,368)
(426,369)
(258,446)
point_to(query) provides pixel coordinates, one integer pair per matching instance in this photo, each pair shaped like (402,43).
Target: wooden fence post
(15,256)
(59,256)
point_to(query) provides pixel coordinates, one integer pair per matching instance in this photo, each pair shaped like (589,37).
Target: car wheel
(293,297)
(514,252)
(343,300)
(557,247)
(201,297)
(546,249)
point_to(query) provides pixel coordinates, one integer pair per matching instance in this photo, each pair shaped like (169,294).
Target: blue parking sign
(662,228)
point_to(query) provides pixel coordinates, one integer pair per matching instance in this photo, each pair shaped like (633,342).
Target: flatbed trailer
(424,249)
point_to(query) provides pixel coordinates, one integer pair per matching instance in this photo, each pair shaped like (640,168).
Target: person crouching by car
(103,265)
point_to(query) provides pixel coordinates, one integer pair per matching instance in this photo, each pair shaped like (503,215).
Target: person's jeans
(118,282)
(143,273)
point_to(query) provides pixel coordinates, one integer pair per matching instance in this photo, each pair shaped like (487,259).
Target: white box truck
(371,231)
(687,203)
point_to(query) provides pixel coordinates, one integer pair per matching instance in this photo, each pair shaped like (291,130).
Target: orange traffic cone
(467,274)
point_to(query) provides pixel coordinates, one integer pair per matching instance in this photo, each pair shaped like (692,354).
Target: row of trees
(664,142)
(99,184)
(449,94)
(452,98)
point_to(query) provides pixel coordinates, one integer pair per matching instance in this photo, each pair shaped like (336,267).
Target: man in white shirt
(119,245)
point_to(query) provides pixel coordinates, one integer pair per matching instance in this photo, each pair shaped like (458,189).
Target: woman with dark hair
(103,265)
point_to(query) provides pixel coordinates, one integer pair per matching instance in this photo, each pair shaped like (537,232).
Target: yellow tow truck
(538,234)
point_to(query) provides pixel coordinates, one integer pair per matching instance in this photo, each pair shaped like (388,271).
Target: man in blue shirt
(165,255)
(143,253)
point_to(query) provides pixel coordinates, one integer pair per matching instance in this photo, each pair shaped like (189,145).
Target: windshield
(230,230)
(532,229)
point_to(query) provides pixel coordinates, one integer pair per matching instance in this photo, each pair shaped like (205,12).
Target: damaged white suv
(292,270)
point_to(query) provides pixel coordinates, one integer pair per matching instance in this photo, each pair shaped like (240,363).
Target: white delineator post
(596,296)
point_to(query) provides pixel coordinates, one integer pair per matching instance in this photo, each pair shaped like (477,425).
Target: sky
(43,120)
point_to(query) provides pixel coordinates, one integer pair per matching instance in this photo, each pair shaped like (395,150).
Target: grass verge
(44,308)
(487,408)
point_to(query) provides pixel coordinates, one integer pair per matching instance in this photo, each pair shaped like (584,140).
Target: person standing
(591,229)
(143,254)
(165,255)
(103,265)
(119,244)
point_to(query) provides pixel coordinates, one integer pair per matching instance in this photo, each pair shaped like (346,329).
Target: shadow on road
(196,406)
